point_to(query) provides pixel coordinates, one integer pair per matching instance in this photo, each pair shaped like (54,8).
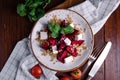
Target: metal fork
(93,56)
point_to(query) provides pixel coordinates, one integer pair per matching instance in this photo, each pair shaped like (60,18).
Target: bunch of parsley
(34,9)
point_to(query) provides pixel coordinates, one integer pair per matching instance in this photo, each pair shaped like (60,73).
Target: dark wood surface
(14,28)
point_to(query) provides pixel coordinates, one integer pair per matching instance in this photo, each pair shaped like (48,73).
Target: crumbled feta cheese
(67,41)
(43,35)
(68,59)
(79,37)
(72,25)
(54,49)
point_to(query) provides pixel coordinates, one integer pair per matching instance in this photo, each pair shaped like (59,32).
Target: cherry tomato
(36,71)
(65,78)
(76,74)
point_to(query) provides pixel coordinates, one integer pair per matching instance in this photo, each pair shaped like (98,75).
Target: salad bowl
(54,64)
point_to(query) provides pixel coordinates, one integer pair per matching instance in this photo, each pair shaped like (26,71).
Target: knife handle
(89,78)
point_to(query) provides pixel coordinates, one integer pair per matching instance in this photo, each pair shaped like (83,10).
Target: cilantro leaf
(67,30)
(21,10)
(35,5)
(34,9)
(32,12)
(55,29)
(50,24)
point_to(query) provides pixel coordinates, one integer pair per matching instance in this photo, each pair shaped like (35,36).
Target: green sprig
(34,9)
(56,30)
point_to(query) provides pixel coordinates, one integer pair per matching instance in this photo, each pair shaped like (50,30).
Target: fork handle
(87,67)
(89,78)
(86,70)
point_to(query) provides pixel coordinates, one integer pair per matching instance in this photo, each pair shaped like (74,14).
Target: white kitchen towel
(27,63)
(96,12)
(21,59)
(20,62)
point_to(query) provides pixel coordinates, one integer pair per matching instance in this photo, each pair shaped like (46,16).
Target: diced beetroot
(72,35)
(45,45)
(75,53)
(62,45)
(79,42)
(63,36)
(63,23)
(52,41)
(76,32)
(61,56)
(72,51)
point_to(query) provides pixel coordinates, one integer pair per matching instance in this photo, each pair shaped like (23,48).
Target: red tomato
(36,71)
(76,74)
(65,78)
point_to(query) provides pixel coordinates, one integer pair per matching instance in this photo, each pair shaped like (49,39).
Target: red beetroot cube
(63,23)
(72,35)
(52,41)
(63,36)
(76,32)
(45,45)
(79,42)
(61,56)
(72,51)
(61,45)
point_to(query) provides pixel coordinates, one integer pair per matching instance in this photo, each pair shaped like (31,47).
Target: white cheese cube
(54,49)
(72,25)
(67,41)
(68,59)
(79,37)
(43,35)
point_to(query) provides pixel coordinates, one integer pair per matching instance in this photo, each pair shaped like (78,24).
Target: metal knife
(99,61)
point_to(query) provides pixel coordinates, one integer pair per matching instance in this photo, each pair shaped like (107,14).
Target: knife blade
(99,61)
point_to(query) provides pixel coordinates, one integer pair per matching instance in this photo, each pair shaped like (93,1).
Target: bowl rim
(92,42)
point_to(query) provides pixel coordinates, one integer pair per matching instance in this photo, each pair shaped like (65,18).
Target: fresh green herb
(34,9)
(56,30)
(21,10)
(67,30)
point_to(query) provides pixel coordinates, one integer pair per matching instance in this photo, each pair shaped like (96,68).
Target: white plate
(77,19)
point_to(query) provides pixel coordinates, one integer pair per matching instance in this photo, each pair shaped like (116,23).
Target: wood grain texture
(112,33)
(14,28)
(99,40)
(67,4)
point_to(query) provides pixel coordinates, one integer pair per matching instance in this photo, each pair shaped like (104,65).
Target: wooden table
(14,28)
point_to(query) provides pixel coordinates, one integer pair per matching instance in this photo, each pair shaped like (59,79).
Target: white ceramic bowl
(77,19)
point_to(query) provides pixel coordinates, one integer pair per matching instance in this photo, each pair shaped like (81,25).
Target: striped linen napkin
(21,59)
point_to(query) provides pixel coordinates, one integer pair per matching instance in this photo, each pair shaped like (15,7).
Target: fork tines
(97,50)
